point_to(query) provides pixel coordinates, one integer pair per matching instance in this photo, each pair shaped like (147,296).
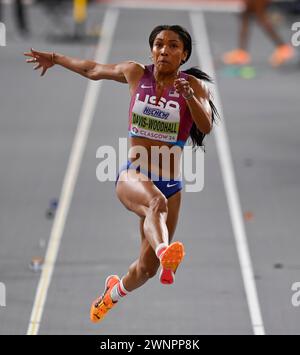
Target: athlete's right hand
(43,59)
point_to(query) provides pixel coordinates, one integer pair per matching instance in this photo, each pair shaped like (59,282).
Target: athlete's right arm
(91,69)
(125,72)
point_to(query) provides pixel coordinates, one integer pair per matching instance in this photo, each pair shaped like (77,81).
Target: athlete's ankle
(160,249)
(118,291)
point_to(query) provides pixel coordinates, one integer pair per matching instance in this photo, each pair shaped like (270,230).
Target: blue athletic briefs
(168,187)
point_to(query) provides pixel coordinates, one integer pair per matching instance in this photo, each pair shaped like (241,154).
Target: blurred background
(97,236)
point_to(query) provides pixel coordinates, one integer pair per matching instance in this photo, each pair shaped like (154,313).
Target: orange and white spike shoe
(236,57)
(104,303)
(170,260)
(281,55)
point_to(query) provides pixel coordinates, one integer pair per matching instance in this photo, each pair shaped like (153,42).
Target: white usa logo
(163,103)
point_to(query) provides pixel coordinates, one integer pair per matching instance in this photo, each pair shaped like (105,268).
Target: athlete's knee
(147,270)
(129,201)
(158,204)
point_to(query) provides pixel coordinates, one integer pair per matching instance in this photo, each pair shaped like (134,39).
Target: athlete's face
(168,51)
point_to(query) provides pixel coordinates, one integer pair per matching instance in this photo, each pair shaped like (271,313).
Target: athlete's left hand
(182,86)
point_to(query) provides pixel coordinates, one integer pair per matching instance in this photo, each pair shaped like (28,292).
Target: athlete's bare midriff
(159,167)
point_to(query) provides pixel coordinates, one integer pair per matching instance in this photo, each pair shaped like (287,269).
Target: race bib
(154,122)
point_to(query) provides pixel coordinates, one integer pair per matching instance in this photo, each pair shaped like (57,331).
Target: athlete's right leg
(146,266)
(146,200)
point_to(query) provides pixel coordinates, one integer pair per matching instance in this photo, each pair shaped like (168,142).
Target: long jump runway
(241,232)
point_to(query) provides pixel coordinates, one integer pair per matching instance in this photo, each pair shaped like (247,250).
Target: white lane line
(220,134)
(79,143)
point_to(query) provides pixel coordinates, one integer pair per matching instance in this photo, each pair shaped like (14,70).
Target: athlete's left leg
(140,271)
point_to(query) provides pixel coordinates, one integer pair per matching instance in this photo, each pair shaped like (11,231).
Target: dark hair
(196,135)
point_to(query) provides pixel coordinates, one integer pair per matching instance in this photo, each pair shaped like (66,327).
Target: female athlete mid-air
(167,106)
